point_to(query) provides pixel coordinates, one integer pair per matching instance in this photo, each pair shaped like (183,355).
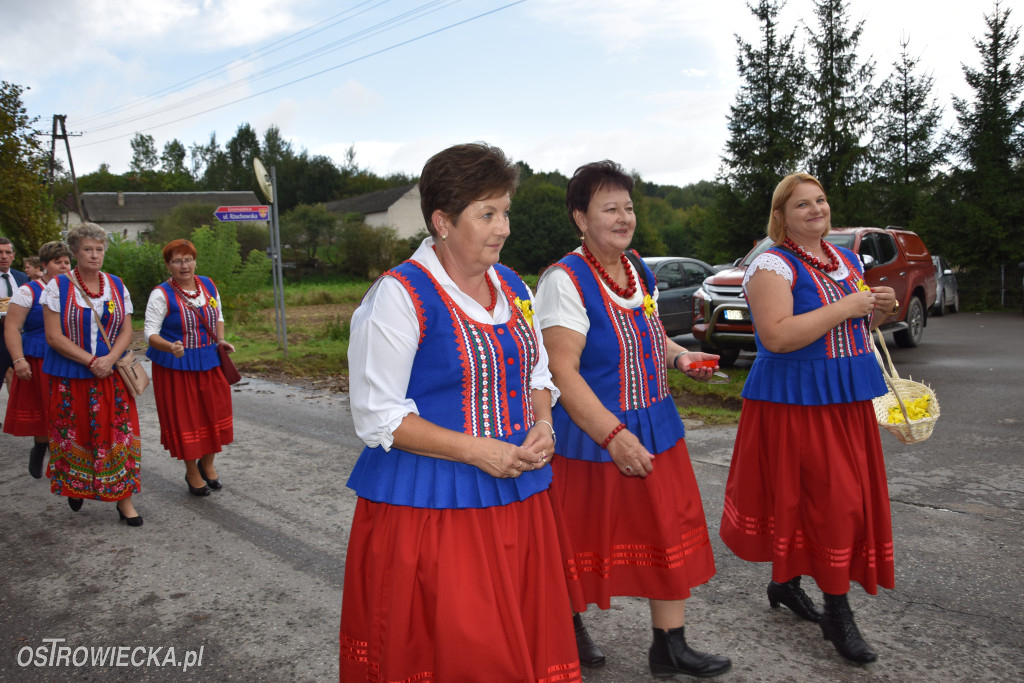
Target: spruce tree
(989,143)
(907,147)
(768,129)
(841,99)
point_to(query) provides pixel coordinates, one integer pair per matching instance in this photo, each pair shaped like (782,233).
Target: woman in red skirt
(807,489)
(454,563)
(29,404)
(95,451)
(184,325)
(623,483)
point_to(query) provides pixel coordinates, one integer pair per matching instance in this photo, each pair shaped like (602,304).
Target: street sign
(242,213)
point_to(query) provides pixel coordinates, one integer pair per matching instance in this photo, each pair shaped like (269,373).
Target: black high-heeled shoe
(75,503)
(200,491)
(793,596)
(130,521)
(212,483)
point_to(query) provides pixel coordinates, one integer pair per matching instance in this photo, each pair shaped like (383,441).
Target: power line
(351,39)
(251,56)
(318,73)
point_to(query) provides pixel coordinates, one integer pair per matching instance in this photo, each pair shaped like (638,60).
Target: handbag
(910,429)
(227,366)
(128,366)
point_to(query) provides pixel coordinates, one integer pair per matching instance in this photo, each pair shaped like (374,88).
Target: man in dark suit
(10,280)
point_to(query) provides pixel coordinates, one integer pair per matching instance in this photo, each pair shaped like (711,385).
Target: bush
(219,258)
(141,266)
(368,251)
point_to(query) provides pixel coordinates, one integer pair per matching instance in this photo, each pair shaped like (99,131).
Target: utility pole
(59,120)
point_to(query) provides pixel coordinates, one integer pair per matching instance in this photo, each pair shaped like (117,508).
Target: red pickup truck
(892,257)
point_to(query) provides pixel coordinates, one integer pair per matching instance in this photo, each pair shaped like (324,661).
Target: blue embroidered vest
(33,336)
(840,367)
(76,322)
(183,324)
(469,377)
(623,362)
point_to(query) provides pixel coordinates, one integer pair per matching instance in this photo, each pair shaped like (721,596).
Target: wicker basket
(900,391)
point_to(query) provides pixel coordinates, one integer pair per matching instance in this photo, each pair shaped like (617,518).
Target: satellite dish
(263,179)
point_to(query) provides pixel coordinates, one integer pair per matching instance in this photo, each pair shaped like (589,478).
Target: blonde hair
(783,191)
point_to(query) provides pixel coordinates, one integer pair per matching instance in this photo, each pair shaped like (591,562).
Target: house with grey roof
(129,214)
(395,207)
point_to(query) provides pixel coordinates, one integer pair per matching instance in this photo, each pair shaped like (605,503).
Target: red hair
(175,246)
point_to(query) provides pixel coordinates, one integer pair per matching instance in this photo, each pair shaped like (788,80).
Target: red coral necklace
(91,295)
(833,262)
(494,293)
(174,283)
(630,288)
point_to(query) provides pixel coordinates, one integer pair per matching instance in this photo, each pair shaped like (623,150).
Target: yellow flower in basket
(917,409)
(650,308)
(526,308)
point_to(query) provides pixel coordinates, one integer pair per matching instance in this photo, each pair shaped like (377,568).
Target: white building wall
(405,214)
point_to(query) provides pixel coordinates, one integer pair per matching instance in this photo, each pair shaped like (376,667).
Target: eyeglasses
(183,262)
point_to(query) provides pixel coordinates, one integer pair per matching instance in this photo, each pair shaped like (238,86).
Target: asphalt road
(245,585)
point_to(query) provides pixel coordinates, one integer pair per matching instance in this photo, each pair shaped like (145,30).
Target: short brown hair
(85,231)
(52,251)
(783,191)
(453,179)
(590,178)
(178,245)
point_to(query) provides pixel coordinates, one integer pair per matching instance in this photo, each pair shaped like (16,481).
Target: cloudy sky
(556,83)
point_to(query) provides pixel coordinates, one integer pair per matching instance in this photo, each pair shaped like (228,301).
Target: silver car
(947,293)
(677,278)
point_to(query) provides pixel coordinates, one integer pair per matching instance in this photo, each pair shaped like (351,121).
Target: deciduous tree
(27,215)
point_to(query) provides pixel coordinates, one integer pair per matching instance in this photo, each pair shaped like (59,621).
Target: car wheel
(911,336)
(955,306)
(940,305)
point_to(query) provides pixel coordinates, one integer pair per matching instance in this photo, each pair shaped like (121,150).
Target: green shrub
(141,266)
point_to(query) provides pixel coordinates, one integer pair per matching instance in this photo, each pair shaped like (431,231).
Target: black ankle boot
(838,626)
(793,596)
(35,459)
(671,655)
(590,653)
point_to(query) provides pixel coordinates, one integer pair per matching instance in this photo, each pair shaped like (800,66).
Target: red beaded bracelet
(608,439)
(94,359)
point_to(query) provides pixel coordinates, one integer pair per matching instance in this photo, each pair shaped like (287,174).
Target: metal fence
(996,288)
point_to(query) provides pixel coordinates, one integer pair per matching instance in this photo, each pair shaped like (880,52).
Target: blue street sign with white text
(242,213)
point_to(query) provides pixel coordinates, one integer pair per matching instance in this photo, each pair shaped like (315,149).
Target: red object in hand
(704,364)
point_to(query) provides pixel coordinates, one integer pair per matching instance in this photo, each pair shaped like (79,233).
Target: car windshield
(761,247)
(842,240)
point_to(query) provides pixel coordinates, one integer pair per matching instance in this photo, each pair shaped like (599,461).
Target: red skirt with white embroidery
(28,406)
(807,492)
(456,595)
(640,537)
(194,408)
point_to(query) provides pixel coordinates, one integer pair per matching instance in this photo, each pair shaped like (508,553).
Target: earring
(583,238)
(444,237)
